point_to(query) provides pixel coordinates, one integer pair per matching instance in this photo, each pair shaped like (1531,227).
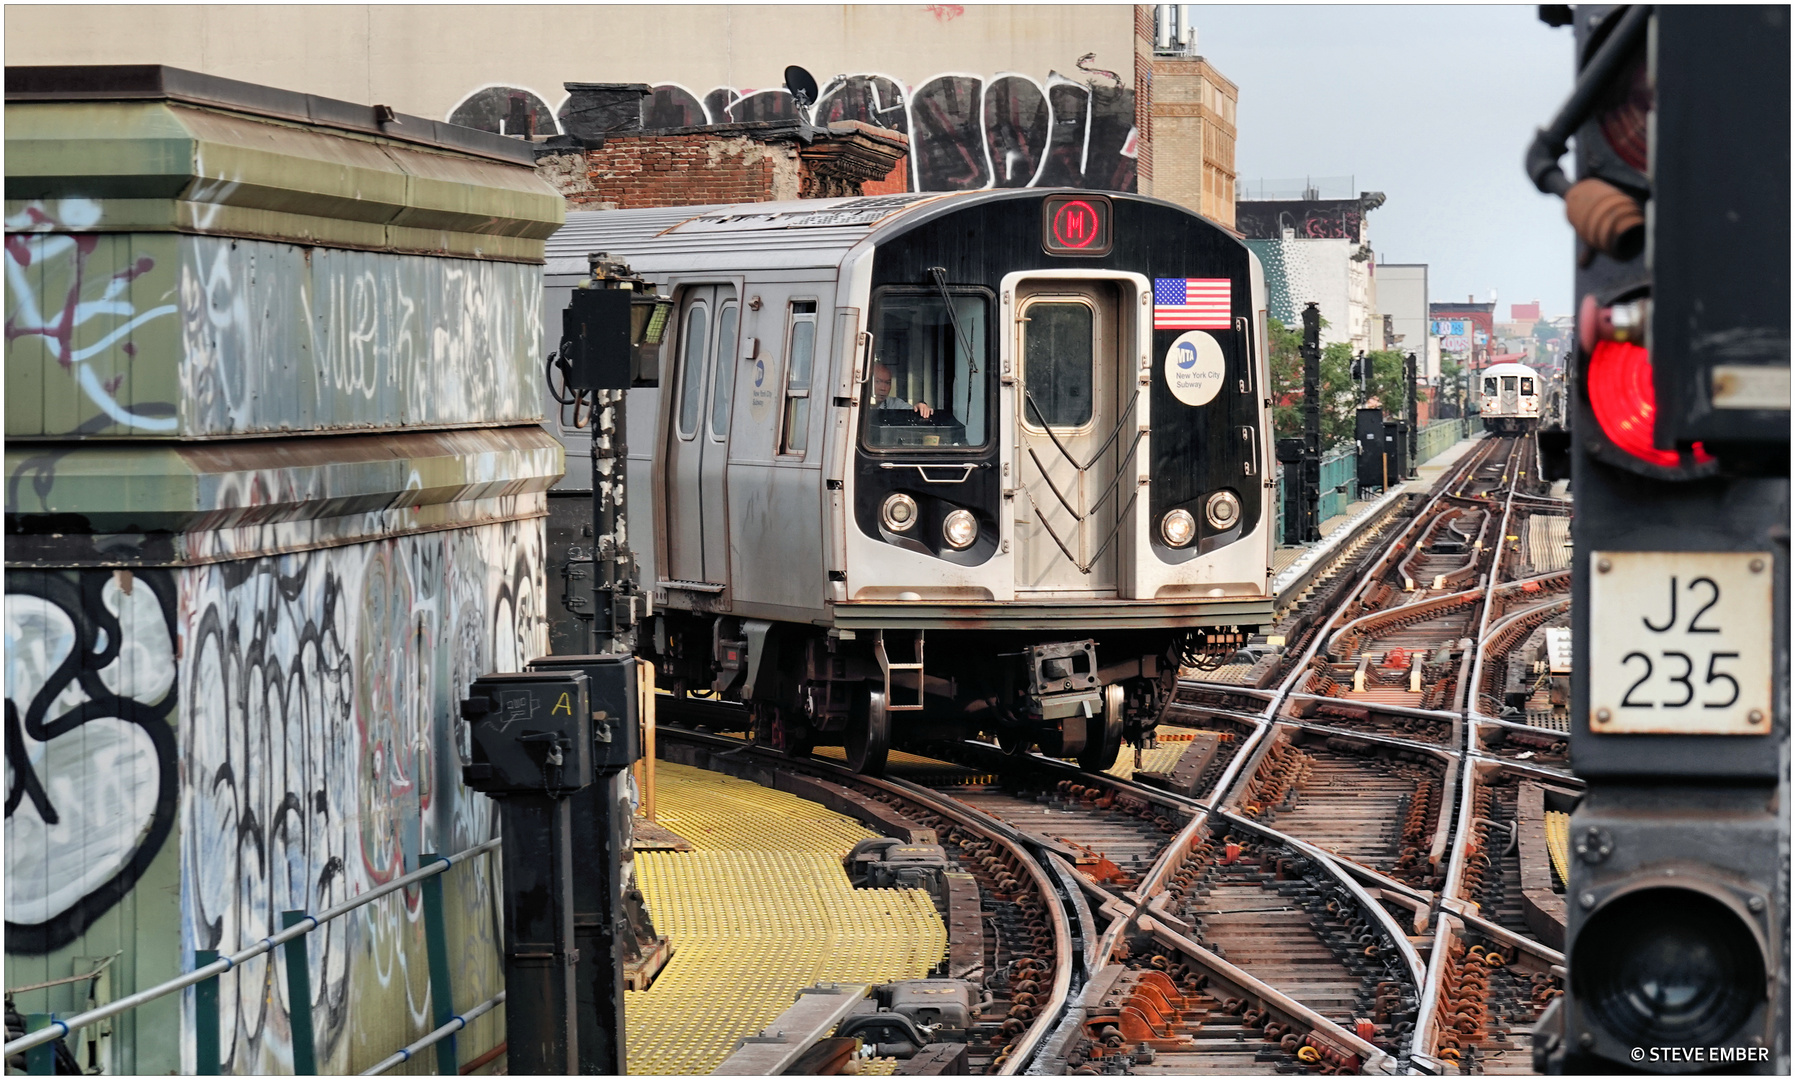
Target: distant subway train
(927,465)
(1510,398)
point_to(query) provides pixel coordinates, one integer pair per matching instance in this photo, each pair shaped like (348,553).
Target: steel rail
(58,1028)
(456,1023)
(1151,894)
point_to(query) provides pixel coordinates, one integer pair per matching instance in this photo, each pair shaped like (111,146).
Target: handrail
(56,1029)
(400,1057)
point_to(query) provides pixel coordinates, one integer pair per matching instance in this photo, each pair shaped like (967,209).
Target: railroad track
(1336,859)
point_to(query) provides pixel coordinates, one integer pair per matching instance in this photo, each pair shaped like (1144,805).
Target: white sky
(1432,105)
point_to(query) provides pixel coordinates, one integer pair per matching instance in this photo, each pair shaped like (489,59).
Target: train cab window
(1489,385)
(1058,362)
(723,383)
(800,352)
(928,384)
(1526,385)
(691,368)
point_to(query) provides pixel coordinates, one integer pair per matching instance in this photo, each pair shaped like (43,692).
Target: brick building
(628,167)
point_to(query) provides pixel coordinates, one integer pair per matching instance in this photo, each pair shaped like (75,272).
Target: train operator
(882,398)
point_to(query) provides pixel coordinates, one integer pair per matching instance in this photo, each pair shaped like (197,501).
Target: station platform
(758,910)
(1286,555)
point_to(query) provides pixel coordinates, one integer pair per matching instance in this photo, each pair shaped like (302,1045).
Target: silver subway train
(922,466)
(1510,398)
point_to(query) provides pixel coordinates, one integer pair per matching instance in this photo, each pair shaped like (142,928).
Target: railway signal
(1677,930)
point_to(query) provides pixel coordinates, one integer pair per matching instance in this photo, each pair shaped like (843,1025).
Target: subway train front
(922,467)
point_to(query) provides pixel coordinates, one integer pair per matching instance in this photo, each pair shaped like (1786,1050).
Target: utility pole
(576,918)
(1409,372)
(1308,519)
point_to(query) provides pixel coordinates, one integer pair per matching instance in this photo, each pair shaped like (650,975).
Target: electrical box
(1368,433)
(595,339)
(1396,446)
(529,733)
(611,689)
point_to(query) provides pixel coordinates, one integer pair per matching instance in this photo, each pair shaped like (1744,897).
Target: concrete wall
(234,663)
(1402,294)
(990,95)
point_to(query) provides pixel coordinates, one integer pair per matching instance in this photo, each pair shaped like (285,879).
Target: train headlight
(899,513)
(960,530)
(1222,510)
(1178,528)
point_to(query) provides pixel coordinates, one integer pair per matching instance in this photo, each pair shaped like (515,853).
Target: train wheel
(869,734)
(1101,752)
(796,738)
(1014,741)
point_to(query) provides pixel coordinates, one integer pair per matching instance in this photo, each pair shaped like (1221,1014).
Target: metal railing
(1339,486)
(1436,438)
(456,1023)
(1339,470)
(45,1029)
(1339,483)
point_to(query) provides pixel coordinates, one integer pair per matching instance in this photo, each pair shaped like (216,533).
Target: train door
(698,439)
(1511,401)
(1067,448)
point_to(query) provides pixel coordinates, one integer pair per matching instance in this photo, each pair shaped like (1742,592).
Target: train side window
(800,352)
(1058,362)
(691,373)
(1489,385)
(1526,385)
(723,383)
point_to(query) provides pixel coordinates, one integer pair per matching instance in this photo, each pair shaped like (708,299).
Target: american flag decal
(1192,304)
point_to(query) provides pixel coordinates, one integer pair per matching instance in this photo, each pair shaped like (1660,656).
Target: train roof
(803,233)
(1509,369)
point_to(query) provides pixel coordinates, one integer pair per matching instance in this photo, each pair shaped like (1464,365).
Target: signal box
(1677,922)
(530,733)
(611,691)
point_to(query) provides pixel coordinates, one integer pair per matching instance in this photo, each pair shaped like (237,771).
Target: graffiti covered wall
(106,333)
(1326,219)
(966,131)
(233,664)
(320,736)
(310,702)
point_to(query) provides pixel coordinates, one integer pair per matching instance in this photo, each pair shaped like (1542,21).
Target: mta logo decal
(760,372)
(1187,355)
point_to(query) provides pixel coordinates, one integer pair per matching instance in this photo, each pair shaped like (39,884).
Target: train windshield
(1489,384)
(929,377)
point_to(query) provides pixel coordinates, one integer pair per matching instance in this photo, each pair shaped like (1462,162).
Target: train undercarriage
(1510,425)
(872,691)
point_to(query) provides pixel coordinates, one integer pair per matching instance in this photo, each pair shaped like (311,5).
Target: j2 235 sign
(1680,643)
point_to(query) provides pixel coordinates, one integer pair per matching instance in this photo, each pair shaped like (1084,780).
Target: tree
(1388,389)
(1338,394)
(1286,348)
(1447,395)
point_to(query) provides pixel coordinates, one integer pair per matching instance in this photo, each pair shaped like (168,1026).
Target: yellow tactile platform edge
(1558,843)
(1173,742)
(759,910)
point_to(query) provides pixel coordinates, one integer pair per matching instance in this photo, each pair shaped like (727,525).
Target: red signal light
(1625,403)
